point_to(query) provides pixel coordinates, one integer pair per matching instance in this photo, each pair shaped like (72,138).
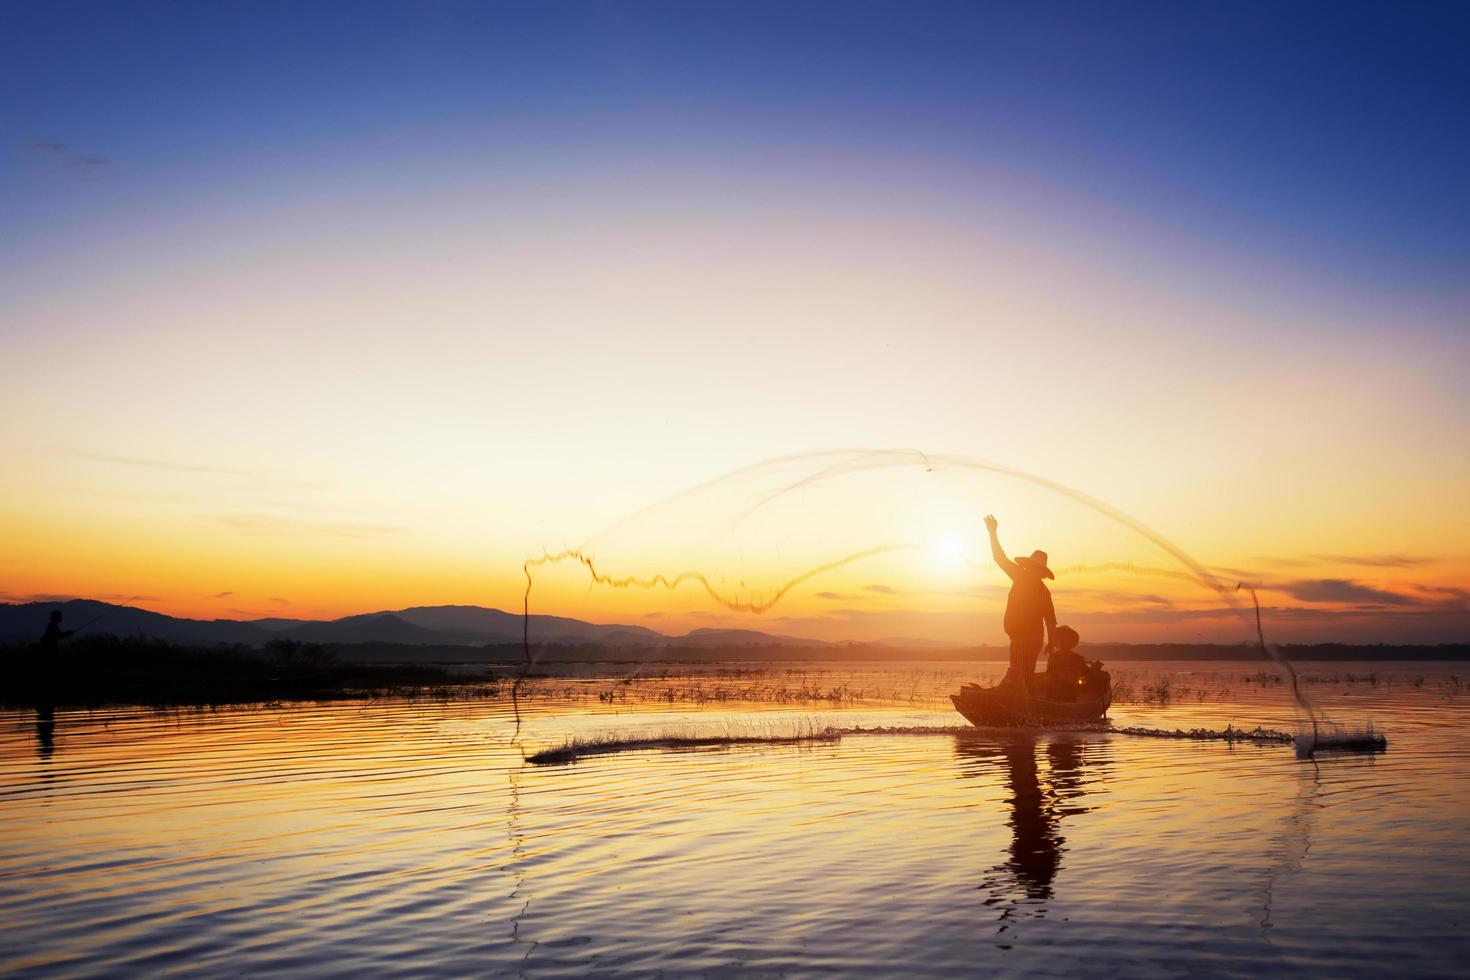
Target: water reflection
(1293,842)
(517,865)
(1023,885)
(45,731)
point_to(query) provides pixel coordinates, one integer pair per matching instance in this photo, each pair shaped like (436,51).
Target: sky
(317,309)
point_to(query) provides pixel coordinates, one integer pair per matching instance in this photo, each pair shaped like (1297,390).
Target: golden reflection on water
(410,837)
(1039,798)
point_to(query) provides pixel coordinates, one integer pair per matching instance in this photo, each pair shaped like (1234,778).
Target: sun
(949,550)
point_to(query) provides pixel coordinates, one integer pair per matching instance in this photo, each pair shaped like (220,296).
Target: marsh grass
(109,670)
(804,731)
(736,733)
(765,687)
(1162,687)
(1229,734)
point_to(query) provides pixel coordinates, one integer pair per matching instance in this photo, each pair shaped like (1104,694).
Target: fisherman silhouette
(48,657)
(1030,615)
(51,639)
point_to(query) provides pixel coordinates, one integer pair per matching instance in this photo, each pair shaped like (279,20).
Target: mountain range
(415,626)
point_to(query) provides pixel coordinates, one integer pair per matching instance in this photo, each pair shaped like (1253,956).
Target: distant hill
(913,643)
(424,633)
(419,625)
(740,638)
(482,625)
(27,621)
(371,628)
(275,623)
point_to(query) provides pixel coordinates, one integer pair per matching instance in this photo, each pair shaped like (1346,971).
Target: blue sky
(1336,130)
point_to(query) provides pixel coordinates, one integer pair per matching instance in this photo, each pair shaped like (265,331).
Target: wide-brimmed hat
(1037,561)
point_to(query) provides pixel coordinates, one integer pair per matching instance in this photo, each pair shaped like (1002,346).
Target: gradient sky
(312,309)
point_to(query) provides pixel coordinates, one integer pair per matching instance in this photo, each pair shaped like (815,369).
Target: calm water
(410,838)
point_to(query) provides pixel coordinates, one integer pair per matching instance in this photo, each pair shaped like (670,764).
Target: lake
(411,836)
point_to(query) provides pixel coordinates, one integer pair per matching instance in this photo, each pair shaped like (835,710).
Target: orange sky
(160,530)
(321,404)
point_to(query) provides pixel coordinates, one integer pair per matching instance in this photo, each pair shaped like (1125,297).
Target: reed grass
(577,747)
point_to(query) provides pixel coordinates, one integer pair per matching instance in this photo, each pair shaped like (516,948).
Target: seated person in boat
(1066,671)
(1030,615)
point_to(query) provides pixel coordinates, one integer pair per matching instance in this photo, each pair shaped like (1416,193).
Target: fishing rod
(105,613)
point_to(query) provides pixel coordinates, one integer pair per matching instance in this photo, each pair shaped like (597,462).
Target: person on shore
(47,662)
(1030,619)
(51,639)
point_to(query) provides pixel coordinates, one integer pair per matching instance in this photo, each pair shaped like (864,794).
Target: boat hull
(987,707)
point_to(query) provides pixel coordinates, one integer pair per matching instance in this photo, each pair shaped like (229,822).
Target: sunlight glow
(949,551)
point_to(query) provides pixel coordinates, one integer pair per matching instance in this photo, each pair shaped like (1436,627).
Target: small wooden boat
(1009,705)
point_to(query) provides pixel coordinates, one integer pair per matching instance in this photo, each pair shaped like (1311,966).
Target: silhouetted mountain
(26,621)
(495,626)
(740,638)
(418,626)
(912,643)
(440,632)
(276,623)
(372,628)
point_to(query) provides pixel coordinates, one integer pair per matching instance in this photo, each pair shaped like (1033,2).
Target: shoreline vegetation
(110,670)
(92,671)
(513,654)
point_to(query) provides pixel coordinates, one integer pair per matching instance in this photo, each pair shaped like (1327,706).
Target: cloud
(1247,575)
(251,478)
(1366,561)
(1376,561)
(1445,596)
(1129,568)
(222,595)
(1341,590)
(965,592)
(67,156)
(157,464)
(1109,598)
(1281,562)
(279,601)
(269,524)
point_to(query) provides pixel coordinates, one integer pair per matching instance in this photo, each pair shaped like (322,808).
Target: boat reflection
(1024,884)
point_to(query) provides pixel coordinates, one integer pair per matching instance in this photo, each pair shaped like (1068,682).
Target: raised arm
(997,552)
